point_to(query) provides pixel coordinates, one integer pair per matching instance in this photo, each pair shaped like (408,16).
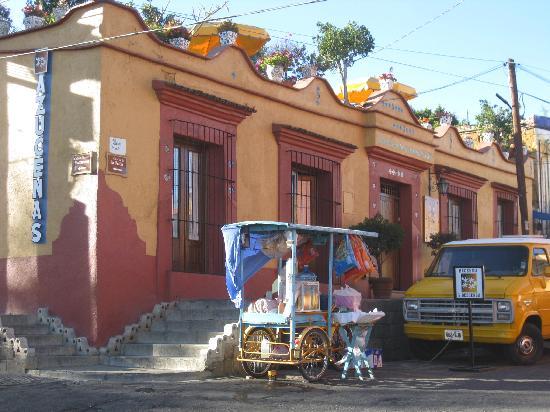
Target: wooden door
(389,209)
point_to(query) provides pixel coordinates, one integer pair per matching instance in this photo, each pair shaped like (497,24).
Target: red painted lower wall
(64,281)
(126,275)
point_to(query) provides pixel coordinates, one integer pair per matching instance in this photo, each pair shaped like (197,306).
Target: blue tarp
(253,259)
(542,122)
(540,215)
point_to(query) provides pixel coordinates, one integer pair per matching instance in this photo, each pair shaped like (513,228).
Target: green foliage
(228,25)
(433,116)
(5,13)
(157,19)
(292,56)
(497,120)
(439,239)
(390,236)
(338,48)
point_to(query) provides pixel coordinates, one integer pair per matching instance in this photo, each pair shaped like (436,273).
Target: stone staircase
(41,342)
(187,336)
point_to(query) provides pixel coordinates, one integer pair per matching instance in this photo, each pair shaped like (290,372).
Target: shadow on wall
(3,188)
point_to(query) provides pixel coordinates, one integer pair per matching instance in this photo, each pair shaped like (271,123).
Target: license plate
(454,334)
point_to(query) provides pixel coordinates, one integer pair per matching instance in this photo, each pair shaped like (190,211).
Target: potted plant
(439,239)
(276,64)
(34,15)
(390,238)
(179,36)
(60,9)
(5,20)
(228,32)
(386,80)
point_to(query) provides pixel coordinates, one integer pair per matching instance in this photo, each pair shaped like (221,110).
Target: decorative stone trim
(69,337)
(114,345)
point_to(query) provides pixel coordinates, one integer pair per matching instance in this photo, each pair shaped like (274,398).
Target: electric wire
(538,76)
(444,55)
(475,76)
(124,35)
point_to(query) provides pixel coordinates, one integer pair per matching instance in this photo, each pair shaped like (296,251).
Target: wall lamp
(438,184)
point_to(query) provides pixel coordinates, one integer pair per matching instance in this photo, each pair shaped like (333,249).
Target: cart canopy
(243,246)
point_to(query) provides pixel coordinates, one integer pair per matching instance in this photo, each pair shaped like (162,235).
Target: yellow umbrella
(205,38)
(360,92)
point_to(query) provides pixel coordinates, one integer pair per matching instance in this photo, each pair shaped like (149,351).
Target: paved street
(410,385)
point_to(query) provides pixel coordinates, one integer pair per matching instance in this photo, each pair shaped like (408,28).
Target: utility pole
(518,145)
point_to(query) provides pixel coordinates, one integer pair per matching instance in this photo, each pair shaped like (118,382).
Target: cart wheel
(314,354)
(338,348)
(252,350)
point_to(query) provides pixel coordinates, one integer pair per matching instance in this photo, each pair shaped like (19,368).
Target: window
(304,198)
(455,217)
(540,261)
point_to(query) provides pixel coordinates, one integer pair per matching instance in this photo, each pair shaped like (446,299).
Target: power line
(124,35)
(538,76)
(475,76)
(445,55)
(458,3)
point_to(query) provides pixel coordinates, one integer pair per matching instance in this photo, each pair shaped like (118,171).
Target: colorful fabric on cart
(366,264)
(252,257)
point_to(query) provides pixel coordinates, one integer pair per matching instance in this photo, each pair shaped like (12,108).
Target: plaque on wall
(431,217)
(117,164)
(83,164)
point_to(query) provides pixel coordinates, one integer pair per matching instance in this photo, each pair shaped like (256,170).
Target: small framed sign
(82,164)
(117,165)
(469,283)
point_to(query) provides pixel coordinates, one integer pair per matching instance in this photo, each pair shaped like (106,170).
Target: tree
(390,237)
(496,120)
(434,116)
(339,48)
(437,240)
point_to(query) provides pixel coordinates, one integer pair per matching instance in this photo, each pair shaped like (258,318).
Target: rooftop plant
(228,25)
(34,9)
(387,76)
(5,13)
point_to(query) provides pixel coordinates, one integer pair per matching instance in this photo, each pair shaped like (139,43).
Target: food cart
(299,332)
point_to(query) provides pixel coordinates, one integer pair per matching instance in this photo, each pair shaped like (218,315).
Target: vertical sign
(469,283)
(431,217)
(41,144)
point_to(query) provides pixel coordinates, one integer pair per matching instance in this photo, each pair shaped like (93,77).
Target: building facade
(127,156)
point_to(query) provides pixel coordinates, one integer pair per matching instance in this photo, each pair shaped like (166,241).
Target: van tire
(425,349)
(528,347)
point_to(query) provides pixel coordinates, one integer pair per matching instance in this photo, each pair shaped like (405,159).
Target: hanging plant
(34,9)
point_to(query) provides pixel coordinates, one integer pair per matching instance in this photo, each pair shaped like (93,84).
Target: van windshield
(497,260)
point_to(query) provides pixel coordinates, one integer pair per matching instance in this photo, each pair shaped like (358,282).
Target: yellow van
(516,309)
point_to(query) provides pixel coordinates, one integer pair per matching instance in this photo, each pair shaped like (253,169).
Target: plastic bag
(347,298)
(306,253)
(365,263)
(275,246)
(344,258)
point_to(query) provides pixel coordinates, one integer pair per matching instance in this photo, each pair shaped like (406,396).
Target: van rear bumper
(499,333)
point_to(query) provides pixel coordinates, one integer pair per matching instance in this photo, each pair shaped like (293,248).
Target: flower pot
(362,286)
(228,37)
(59,12)
(180,42)
(32,22)
(382,287)
(4,27)
(275,73)
(386,84)
(309,70)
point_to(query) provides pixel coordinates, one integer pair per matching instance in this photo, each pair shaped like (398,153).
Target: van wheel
(528,347)
(425,349)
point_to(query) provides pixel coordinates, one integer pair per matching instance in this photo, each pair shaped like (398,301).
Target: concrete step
(192,336)
(189,364)
(175,314)
(18,320)
(53,350)
(59,361)
(24,330)
(44,340)
(186,325)
(163,349)
(205,304)
(6,353)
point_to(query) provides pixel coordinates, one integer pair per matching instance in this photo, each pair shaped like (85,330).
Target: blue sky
(480,29)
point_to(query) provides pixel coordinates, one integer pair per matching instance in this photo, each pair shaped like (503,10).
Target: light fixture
(439,184)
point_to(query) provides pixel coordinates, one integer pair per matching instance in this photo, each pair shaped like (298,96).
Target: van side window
(540,260)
